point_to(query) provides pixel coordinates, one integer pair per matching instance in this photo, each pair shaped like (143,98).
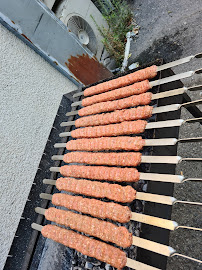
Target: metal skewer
(161,81)
(130,263)
(151,125)
(162,199)
(163,67)
(165,94)
(145,244)
(153,142)
(150,220)
(144,159)
(148,176)
(157,110)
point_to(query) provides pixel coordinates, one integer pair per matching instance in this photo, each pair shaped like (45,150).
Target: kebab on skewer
(130,159)
(93,248)
(103,230)
(135,100)
(125,128)
(109,210)
(140,75)
(115,174)
(114,192)
(142,112)
(135,89)
(120,143)
(105,252)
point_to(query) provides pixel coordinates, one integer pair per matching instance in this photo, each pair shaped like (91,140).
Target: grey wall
(31,91)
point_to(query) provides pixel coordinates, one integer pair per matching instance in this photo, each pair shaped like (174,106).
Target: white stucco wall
(31,91)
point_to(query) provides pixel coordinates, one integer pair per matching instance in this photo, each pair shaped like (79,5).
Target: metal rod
(178,62)
(36,227)
(165,94)
(45,196)
(161,81)
(49,182)
(40,210)
(153,142)
(186,257)
(157,110)
(139,266)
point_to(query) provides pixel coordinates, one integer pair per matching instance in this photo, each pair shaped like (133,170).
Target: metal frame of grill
(28,244)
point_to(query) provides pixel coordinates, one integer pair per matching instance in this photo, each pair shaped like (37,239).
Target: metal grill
(40,253)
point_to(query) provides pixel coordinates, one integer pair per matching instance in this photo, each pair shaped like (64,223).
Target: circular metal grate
(84,32)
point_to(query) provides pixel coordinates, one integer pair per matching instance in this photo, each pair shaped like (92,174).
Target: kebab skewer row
(113,174)
(135,89)
(131,159)
(90,247)
(120,143)
(110,210)
(118,116)
(102,251)
(125,128)
(135,100)
(103,230)
(114,192)
(140,75)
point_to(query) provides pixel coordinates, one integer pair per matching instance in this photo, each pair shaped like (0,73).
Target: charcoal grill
(30,250)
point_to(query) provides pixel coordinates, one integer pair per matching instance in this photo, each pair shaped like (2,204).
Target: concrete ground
(172,30)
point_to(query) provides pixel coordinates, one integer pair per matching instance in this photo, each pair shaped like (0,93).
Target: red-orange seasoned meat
(124,128)
(134,89)
(117,159)
(97,189)
(93,207)
(106,143)
(106,231)
(136,100)
(101,173)
(140,75)
(115,117)
(87,246)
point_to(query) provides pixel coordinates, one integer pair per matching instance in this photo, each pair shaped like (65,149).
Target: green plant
(119,18)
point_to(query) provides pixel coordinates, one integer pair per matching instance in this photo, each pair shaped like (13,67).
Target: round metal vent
(84,32)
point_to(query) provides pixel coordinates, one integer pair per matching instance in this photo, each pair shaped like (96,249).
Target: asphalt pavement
(172,30)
